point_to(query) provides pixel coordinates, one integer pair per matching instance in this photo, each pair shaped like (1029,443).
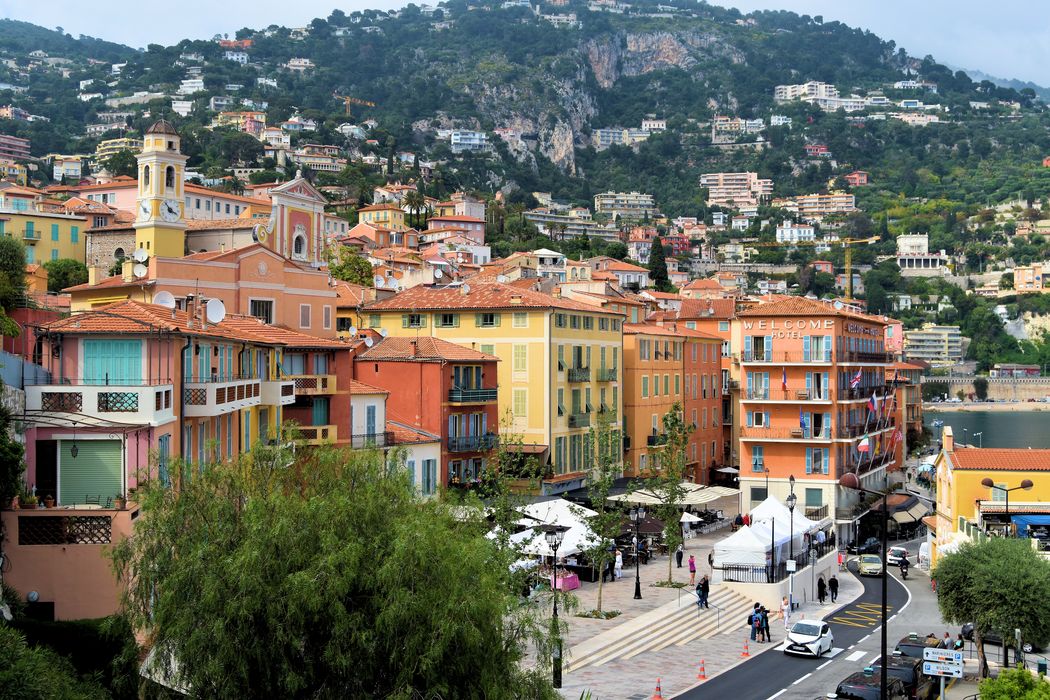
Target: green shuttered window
(95,471)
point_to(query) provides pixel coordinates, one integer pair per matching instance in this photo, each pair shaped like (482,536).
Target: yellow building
(46,235)
(967,509)
(13,172)
(388,216)
(560,364)
(111,147)
(160,227)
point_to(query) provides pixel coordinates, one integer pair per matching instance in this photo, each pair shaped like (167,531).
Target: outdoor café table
(567,582)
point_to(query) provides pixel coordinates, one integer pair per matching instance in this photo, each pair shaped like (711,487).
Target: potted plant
(27,501)
(49,501)
(120,502)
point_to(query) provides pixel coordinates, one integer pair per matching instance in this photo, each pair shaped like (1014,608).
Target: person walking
(822,590)
(785,612)
(619,565)
(704,590)
(692,570)
(678,554)
(833,587)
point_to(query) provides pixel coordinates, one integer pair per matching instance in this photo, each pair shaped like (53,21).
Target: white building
(789,232)
(190,86)
(736,189)
(182,107)
(654,124)
(266,82)
(236,56)
(468,141)
(915,259)
(299,64)
(805,91)
(779,120)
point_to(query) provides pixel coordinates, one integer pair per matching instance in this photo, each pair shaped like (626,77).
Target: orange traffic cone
(702,676)
(746,652)
(657,694)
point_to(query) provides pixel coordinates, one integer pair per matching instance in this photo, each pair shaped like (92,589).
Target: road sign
(792,565)
(933,668)
(943,656)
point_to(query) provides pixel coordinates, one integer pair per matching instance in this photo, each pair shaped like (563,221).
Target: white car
(894,555)
(809,637)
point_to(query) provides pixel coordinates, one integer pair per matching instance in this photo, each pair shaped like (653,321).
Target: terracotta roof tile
(356,387)
(114,282)
(699,284)
(456,217)
(133,317)
(668,330)
(707,308)
(794,306)
(621,266)
(1000,459)
(251,328)
(424,349)
(482,295)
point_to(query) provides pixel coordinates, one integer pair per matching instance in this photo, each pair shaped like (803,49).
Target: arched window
(118,254)
(145,176)
(299,246)
(169,177)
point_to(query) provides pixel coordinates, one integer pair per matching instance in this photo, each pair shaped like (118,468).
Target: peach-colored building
(200,202)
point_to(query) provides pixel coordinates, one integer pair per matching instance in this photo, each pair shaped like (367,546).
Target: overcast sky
(1005,38)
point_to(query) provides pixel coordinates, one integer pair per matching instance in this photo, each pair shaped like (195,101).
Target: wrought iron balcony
(31,234)
(313,384)
(143,404)
(368,440)
(579,374)
(472,443)
(607,375)
(472,395)
(656,440)
(579,420)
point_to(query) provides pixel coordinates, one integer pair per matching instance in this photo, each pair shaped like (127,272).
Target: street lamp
(554,535)
(980,441)
(637,516)
(792,499)
(1026,485)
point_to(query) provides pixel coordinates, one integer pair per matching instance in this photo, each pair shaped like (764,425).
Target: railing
(579,420)
(880,357)
(215,398)
(755,432)
(764,573)
(781,356)
(313,384)
(64,529)
(607,375)
(134,404)
(579,374)
(880,392)
(367,440)
(472,395)
(655,440)
(31,234)
(816,513)
(789,395)
(855,431)
(472,443)
(318,434)
(626,442)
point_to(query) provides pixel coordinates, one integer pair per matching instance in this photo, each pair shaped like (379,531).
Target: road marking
(835,651)
(876,629)
(863,639)
(859,615)
(851,646)
(855,655)
(802,679)
(824,665)
(777,695)
(874,659)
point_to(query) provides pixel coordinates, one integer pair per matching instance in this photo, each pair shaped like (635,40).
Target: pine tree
(658,267)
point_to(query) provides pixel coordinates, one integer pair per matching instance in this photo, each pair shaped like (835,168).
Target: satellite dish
(382,332)
(215,311)
(378,281)
(139,270)
(165,299)
(464,290)
(838,304)
(368,342)
(502,279)
(438,274)
(140,255)
(352,330)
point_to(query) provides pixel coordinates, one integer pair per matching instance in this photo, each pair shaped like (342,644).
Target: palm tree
(415,202)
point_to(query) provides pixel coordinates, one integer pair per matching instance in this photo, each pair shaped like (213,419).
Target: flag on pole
(855,382)
(801,419)
(873,405)
(784,378)
(864,445)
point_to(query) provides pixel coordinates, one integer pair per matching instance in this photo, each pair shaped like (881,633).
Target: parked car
(909,670)
(997,640)
(870,565)
(868,546)
(913,645)
(866,685)
(810,637)
(894,555)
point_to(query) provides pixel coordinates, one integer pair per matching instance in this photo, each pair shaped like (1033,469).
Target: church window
(169,177)
(299,246)
(145,176)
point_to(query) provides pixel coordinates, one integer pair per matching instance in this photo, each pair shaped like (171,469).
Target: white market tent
(556,511)
(751,544)
(748,545)
(693,495)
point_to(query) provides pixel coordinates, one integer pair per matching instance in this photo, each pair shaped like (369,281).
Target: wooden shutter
(97,470)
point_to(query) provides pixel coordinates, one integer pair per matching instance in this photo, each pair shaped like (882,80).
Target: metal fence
(16,372)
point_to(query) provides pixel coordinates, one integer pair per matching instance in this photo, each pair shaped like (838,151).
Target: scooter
(904,571)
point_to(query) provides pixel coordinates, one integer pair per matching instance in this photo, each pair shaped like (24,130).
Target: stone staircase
(676,623)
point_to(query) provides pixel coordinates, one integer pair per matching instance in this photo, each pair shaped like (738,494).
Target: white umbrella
(688,518)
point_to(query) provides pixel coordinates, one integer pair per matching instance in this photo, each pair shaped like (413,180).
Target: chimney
(947,439)
(93,274)
(556,292)
(515,299)
(412,348)
(126,270)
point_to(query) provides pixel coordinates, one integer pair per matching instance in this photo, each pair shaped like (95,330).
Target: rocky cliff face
(621,54)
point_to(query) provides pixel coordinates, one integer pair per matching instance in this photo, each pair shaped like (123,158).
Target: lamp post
(1026,485)
(637,516)
(791,500)
(553,535)
(980,436)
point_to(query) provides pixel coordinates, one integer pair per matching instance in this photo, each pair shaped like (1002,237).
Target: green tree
(301,576)
(351,267)
(658,267)
(606,447)
(1015,684)
(12,466)
(416,203)
(122,163)
(980,388)
(1006,281)
(1000,584)
(38,672)
(668,462)
(65,272)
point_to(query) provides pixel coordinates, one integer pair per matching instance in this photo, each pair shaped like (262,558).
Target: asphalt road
(773,673)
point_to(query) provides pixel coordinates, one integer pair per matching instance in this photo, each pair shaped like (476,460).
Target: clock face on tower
(169,210)
(144,210)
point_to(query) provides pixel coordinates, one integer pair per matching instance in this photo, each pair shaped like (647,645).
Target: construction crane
(846,243)
(348,100)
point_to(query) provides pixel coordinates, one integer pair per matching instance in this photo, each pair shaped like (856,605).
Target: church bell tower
(160,222)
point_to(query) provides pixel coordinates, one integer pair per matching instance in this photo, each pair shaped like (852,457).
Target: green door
(112,361)
(95,471)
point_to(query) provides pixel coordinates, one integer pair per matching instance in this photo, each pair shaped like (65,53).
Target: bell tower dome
(160,224)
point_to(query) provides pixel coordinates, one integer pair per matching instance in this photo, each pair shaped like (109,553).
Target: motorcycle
(904,570)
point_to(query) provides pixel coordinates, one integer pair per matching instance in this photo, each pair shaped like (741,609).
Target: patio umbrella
(728,470)
(688,518)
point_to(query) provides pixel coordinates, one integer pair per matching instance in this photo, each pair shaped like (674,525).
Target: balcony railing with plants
(579,374)
(472,443)
(579,420)
(368,440)
(607,375)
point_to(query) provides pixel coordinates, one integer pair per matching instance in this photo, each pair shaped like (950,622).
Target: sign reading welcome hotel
(788,328)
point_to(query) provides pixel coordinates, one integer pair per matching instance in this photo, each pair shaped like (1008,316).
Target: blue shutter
(806,347)
(809,461)
(827,459)
(827,425)
(452,426)
(769,348)
(809,384)
(750,384)
(750,421)
(827,348)
(766,421)
(747,347)
(484,424)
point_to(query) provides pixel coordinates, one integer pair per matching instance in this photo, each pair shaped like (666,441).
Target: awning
(693,495)
(527,449)
(912,514)
(930,521)
(728,470)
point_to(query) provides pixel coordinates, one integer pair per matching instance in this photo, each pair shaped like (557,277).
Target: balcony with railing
(457,395)
(131,404)
(607,375)
(579,374)
(472,443)
(369,440)
(216,398)
(31,235)
(318,434)
(847,432)
(278,393)
(313,384)
(579,420)
(864,357)
(881,392)
(658,440)
(789,357)
(778,433)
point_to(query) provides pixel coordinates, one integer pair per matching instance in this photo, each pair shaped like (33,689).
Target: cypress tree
(658,266)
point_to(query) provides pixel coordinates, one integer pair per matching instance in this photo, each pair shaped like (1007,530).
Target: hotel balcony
(472,395)
(318,434)
(757,433)
(607,375)
(140,404)
(472,443)
(278,393)
(880,392)
(579,374)
(795,395)
(789,358)
(204,399)
(313,384)
(579,420)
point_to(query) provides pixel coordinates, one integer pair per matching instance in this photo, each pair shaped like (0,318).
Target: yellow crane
(348,100)
(844,242)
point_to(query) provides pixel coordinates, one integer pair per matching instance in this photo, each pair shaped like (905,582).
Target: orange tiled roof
(671,329)
(662,295)
(133,317)
(251,328)
(380,207)
(621,266)
(349,294)
(356,387)
(699,284)
(405,433)
(1000,459)
(482,295)
(457,217)
(707,308)
(114,282)
(424,349)
(795,306)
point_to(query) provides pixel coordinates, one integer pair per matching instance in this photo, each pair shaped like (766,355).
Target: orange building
(665,365)
(816,404)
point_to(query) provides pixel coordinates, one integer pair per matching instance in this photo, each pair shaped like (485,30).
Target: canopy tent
(555,511)
(688,518)
(574,540)
(748,545)
(692,495)
(577,534)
